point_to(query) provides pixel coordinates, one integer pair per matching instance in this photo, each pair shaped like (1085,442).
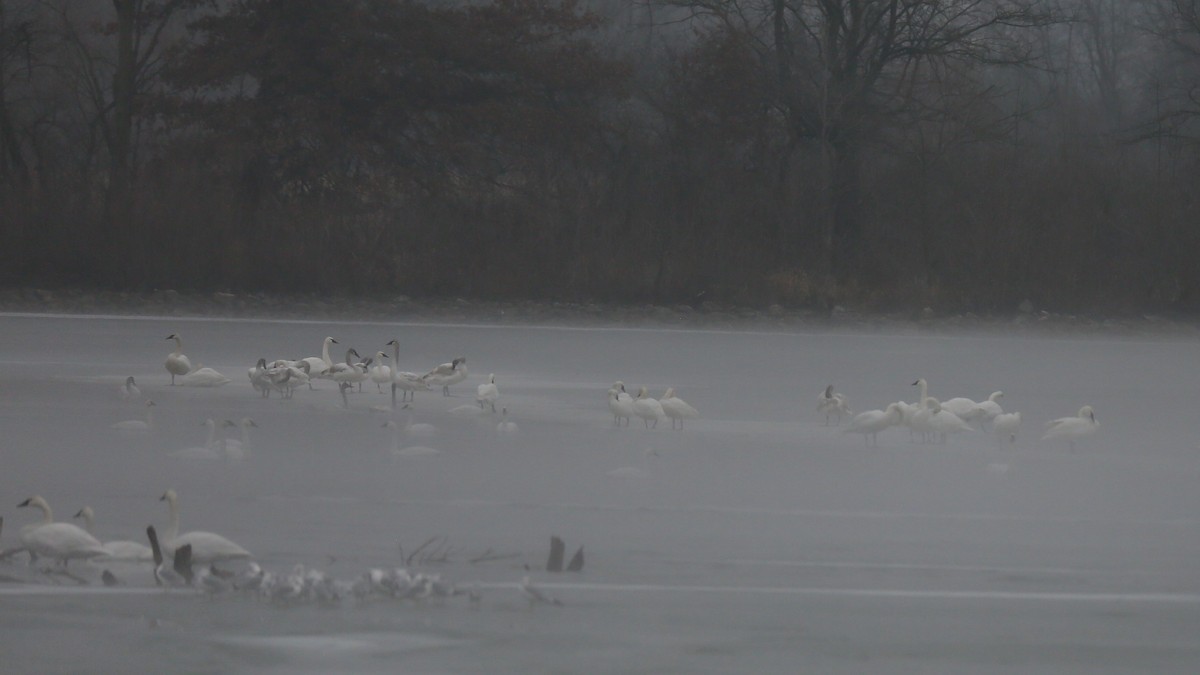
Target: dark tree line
(962,153)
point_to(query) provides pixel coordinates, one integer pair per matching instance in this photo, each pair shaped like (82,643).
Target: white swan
(447,374)
(676,408)
(318,366)
(931,419)
(177,363)
(119,550)
(990,408)
(831,403)
(203,377)
(58,541)
(130,391)
(964,408)
(621,406)
(288,379)
(207,451)
(488,393)
(348,373)
(260,377)
(238,449)
(506,426)
(138,425)
(647,408)
(1073,428)
(871,422)
(380,372)
(407,382)
(1007,424)
(206,546)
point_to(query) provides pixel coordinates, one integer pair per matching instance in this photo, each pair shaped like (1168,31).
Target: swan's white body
(488,393)
(963,408)
(506,427)
(831,403)
(260,377)
(380,372)
(138,425)
(130,391)
(203,377)
(676,408)
(1007,424)
(447,374)
(407,382)
(1073,428)
(118,550)
(621,405)
(177,363)
(871,422)
(990,408)
(206,546)
(318,366)
(931,419)
(59,541)
(647,408)
(238,449)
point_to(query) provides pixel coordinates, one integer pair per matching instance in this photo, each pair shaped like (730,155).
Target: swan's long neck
(172,530)
(47,514)
(396,354)
(325,354)
(924,389)
(178,346)
(88,518)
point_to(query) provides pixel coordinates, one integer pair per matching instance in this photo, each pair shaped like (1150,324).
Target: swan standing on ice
(380,373)
(348,373)
(647,408)
(506,426)
(130,391)
(407,382)
(318,366)
(831,403)
(1006,424)
(177,363)
(1073,428)
(260,378)
(871,422)
(58,541)
(621,405)
(119,550)
(138,425)
(447,374)
(676,408)
(206,546)
(488,393)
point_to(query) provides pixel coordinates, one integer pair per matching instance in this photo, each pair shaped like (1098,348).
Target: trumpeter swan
(931,419)
(1007,424)
(318,366)
(348,373)
(203,377)
(58,541)
(871,422)
(380,372)
(831,403)
(119,550)
(407,382)
(238,449)
(207,451)
(206,546)
(990,407)
(447,374)
(676,408)
(506,426)
(964,408)
(1073,428)
(138,425)
(647,408)
(622,408)
(260,378)
(488,393)
(177,363)
(130,391)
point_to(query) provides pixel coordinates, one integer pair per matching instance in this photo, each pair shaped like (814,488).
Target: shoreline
(706,315)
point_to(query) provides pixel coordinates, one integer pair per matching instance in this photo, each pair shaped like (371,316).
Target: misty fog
(755,539)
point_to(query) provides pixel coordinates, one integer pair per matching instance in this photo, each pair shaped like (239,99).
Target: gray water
(755,540)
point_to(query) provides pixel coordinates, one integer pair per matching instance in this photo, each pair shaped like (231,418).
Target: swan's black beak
(163,498)
(25,503)
(78,515)
(916,383)
(334,341)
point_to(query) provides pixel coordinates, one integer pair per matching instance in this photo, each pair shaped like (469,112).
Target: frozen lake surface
(755,540)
